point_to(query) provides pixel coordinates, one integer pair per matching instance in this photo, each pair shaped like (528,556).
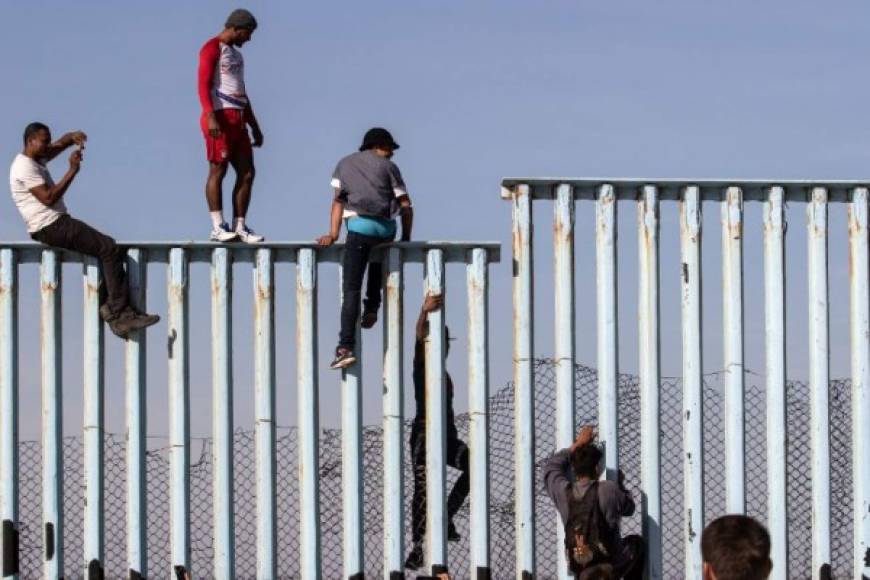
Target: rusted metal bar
(8,410)
(817,236)
(732,293)
(52,416)
(222,412)
(94,419)
(693,384)
(563,250)
(650,377)
(774,314)
(436,420)
(309,414)
(859,279)
(264,389)
(608,345)
(478,411)
(393,422)
(179,410)
(524,396)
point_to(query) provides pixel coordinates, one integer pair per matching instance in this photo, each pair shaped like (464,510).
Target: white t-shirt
(25,174)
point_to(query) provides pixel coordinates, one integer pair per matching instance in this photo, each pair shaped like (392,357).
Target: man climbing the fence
(456,452)
(591,511)
(226,115)
(369,192)
(40,201)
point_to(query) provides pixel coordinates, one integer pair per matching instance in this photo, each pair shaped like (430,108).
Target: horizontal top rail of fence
(412,252)
(672,189)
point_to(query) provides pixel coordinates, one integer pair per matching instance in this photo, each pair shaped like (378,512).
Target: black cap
(241,18)
(378,137)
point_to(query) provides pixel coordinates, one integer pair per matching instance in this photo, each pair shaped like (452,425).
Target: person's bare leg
(213,186)
(244,168)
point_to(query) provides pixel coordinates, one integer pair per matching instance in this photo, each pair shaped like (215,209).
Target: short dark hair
(737,547)
(585,461)
(599,572)
(32,129)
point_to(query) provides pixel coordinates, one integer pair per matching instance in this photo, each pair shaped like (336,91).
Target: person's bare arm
(67,140)
(254,124)
(431,303)
(335,214)
(584,438)
(49,195)
(407,213)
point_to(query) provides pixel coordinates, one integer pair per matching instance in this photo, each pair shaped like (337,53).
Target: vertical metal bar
(222,411)
(309,413)
(52,424)
(351,461)
(774,314)
(264,387)
(608,358)
(732,293)
(817,235)
(94,416)
(859,278)
(436,419)
(524,417)
(648,317)
(478,411)
(179,410)
(8,402)
(394,516)
(135,380)
(693,386)
(563,249)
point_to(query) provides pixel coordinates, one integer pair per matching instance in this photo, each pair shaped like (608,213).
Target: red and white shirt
(221,78)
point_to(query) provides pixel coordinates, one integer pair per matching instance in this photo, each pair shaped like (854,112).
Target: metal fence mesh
(501,457)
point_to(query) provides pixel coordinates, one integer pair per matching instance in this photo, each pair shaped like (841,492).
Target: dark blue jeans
(354,263)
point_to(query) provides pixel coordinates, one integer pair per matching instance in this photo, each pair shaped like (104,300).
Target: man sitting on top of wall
(40,201)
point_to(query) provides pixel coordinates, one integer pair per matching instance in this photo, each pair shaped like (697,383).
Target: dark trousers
(633,551)
(456,457)
(357,249)
(71,234)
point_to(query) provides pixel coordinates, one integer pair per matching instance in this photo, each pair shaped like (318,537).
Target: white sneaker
(248,235)
(223,233)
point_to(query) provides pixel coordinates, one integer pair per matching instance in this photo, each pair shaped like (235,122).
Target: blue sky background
(473,92)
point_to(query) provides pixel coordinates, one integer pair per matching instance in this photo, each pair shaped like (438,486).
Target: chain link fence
(501,473)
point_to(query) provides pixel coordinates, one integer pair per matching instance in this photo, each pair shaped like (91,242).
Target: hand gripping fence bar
(649,195)
(435,256)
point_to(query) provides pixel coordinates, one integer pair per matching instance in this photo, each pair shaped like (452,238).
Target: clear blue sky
(473,92)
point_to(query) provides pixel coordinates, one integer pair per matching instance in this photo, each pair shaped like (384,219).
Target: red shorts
(233,140)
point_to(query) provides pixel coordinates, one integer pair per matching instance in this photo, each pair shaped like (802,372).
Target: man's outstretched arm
(431,303)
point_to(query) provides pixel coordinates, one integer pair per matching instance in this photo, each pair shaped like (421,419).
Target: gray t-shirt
(615,502)
(369,185)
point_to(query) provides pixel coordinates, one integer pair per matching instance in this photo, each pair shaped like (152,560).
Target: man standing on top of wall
(226,115)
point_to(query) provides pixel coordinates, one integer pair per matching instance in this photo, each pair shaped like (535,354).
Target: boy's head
(585,461)
(736,548)
(379,141)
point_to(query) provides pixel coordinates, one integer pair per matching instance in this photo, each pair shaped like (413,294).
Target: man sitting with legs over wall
(591,511)
(40,201)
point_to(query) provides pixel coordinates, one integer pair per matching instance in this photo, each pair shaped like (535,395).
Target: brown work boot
(129,320)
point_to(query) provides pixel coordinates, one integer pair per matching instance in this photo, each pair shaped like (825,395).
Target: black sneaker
(344,357)
(415,558)
(368,319)
(452,534)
